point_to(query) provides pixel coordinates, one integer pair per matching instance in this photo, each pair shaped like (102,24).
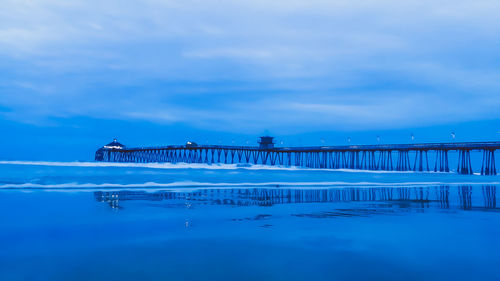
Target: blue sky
(78,73)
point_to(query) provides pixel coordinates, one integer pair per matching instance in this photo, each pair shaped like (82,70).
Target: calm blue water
(74,221)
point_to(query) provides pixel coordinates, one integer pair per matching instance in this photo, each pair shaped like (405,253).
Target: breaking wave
(217,166)
(154,165)
(206,185)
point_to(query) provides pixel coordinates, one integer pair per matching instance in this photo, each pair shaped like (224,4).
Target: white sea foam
(218,166)
(197,185)
(206,185)
(152,165)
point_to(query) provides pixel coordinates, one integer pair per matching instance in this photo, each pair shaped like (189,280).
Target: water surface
(62,223)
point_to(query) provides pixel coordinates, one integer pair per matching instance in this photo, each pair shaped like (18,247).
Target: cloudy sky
(234,69)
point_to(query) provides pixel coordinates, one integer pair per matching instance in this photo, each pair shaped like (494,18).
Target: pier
(422,157)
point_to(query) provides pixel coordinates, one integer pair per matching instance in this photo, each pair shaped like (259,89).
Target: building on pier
(99,154)
(114,145)
(266,142)
(191,144)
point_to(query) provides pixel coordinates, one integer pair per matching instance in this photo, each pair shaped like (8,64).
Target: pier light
(412,137)
(378,138)
(349,139)
(453,135)
(191,144)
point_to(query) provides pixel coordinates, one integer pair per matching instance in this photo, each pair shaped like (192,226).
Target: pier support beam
(488,167)
(464,163)
(441,164)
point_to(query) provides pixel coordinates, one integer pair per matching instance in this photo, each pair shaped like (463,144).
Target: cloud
(248,65)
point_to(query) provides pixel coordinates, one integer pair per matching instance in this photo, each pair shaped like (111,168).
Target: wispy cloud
(252,64)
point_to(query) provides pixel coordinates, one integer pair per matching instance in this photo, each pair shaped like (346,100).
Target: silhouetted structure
(266,142)
(114,145)
(387,157)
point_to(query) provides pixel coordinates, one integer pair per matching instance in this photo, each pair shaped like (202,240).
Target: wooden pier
(385,157)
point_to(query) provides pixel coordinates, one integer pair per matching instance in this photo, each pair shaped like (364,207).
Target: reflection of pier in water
(403,197)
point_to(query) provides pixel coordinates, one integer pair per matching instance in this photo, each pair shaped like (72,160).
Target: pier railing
(387,157)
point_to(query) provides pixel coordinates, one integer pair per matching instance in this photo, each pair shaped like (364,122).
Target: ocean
(121,221)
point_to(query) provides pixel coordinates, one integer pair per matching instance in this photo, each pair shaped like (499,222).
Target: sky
(76,74)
